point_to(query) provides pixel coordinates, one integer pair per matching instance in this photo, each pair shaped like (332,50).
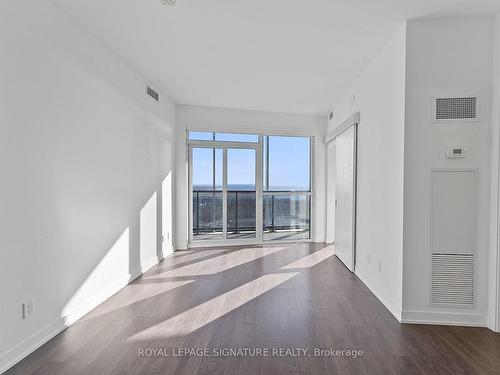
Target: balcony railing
(282,211)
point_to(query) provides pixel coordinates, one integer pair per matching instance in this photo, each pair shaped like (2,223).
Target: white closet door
(345,194)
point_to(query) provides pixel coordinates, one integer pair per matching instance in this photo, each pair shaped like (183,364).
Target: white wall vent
(455,109)
(452,280)
(152,93)
(453,218)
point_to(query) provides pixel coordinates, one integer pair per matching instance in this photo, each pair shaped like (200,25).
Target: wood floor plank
(273,298)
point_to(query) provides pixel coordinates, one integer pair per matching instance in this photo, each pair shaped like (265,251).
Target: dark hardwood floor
(283,296)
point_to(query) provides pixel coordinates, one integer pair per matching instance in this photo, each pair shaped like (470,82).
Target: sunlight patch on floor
(220,263)
(312,259)
(197,317)
(136,293)
(207,312)
(181,256)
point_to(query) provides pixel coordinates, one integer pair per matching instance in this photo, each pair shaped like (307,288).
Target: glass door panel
(207,193)
(241,193)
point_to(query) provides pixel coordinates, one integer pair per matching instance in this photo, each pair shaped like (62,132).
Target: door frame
(261,133)
(352,121)
(224,145)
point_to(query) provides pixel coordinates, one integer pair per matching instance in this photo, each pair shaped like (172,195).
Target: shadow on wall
(86,181)
(139,246)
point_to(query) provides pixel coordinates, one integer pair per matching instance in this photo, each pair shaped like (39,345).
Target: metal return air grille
(456,109)
(452,280)
(152,93)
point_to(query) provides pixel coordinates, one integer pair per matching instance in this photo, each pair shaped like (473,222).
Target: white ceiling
(295,56)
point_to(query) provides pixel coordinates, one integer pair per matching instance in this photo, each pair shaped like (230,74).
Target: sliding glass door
(224,188)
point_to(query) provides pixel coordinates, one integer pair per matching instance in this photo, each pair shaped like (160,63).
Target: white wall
(379,97)
(444,57)
(205,118)
(494,257)
(86,163)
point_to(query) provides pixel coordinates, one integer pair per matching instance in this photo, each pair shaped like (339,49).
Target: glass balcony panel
(241,214)
(207,215)
(286,217)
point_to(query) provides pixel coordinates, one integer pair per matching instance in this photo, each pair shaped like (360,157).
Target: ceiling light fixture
(169,3)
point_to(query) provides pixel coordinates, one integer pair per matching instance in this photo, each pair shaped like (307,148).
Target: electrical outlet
(27,309)
(380,266)
(368,258)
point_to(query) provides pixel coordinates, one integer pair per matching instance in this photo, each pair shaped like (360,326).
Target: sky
(289,161)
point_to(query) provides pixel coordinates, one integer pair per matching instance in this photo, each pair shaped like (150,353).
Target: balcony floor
(284,235)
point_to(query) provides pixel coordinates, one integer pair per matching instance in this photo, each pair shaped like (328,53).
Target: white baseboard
(33,342)
(29,345)
(147,265)
(393,307)
(167,251)
(492,324)
(444,318)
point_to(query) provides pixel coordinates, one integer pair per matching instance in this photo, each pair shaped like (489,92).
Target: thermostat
(455,152)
